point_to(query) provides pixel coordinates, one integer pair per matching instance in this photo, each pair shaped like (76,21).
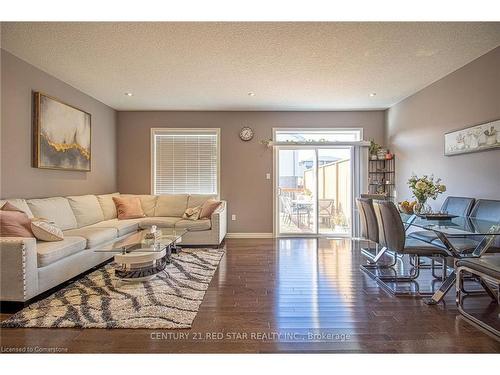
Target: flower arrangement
(423,188)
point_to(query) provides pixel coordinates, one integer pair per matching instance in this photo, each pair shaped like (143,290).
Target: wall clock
(246,133)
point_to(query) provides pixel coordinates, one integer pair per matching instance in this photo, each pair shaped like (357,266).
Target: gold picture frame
(62,135)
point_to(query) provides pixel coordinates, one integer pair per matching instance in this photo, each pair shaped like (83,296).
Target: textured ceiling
(213,66)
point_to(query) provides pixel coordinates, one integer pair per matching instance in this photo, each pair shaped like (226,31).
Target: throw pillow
(14,222)
(128,207)
(192,213)
(45,230)
(209,207)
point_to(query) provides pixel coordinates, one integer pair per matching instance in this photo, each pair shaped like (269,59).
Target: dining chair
(460,206)
(483,209)
(486,269)
(370,231)
(392,235)
(287,209)
(326,209)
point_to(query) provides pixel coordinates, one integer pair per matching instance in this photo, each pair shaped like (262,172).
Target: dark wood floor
(289,295)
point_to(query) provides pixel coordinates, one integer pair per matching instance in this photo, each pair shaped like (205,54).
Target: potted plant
(491,136)
(267,142)
(423,188)
(373,149)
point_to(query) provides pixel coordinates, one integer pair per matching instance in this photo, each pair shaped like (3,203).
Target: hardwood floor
(288,295)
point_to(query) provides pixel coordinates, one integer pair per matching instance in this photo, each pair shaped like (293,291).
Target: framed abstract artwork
(475,138)
(61,135)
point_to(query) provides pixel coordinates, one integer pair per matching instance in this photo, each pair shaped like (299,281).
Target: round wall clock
(246,133)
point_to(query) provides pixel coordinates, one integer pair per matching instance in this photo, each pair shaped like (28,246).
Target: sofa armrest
(18,269)
(219,221)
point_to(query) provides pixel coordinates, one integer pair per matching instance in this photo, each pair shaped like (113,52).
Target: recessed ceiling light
(373,94)
(128,94)
(251,93)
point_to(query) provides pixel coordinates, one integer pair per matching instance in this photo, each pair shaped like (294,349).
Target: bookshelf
(381,177)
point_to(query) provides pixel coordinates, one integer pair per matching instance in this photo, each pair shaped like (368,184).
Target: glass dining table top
(457,226)
(138,241)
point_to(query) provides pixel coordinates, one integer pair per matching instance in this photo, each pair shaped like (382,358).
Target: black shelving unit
(382,177)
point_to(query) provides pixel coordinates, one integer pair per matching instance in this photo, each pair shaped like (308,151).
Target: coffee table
(139,258)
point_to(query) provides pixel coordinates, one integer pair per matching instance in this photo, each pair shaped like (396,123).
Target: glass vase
(422,208)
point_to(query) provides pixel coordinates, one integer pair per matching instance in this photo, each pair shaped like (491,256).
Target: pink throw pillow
(208,208)
(14,222)
(128,207)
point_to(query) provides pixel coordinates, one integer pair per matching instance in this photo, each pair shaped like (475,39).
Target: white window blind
(185,161)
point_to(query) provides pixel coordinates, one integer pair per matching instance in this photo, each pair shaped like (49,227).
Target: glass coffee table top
(138,241)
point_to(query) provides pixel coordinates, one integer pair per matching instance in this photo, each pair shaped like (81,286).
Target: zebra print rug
(169,300)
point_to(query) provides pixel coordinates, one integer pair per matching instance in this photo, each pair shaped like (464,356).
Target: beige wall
(416,127)
(18,178)
(244,164)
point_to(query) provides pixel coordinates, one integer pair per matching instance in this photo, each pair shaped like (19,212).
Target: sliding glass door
(314,190)
(334,190)
(297,185)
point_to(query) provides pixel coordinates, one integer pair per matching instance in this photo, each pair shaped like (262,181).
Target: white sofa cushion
(195,200)
(194,225)
(148,202)
(55,209)
(87,209)
(122,226)
(172,205)
(160,222)
(94,236)
(50,252)
(20,204)
(107,205)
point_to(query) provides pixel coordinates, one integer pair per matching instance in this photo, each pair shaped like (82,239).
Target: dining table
(480,233)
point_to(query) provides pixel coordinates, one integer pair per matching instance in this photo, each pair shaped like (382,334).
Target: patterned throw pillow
(46,231)
(192,213)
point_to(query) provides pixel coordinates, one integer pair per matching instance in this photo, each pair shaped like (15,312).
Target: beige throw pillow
(192,213)
(46,231)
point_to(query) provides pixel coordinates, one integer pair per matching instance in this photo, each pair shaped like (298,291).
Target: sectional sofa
(30,267)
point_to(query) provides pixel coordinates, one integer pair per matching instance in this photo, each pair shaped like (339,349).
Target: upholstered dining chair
(370,230)
(483,209)
(392,235)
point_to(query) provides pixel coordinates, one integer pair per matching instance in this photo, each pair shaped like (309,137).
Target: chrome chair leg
(485,287)
(374,264)
(460,299)
(444,268)
(415,272)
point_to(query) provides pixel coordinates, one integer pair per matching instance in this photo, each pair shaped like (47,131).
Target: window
(185,161)
(318,135)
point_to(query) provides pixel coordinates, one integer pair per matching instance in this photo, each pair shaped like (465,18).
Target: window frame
(156,131)
(359,130)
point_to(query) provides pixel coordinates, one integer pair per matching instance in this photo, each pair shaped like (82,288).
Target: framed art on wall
(475,138)
(61,135)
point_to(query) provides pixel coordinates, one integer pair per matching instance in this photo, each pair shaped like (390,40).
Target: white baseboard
(249,235)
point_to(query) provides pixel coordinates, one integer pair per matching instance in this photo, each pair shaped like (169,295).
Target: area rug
(170,300)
